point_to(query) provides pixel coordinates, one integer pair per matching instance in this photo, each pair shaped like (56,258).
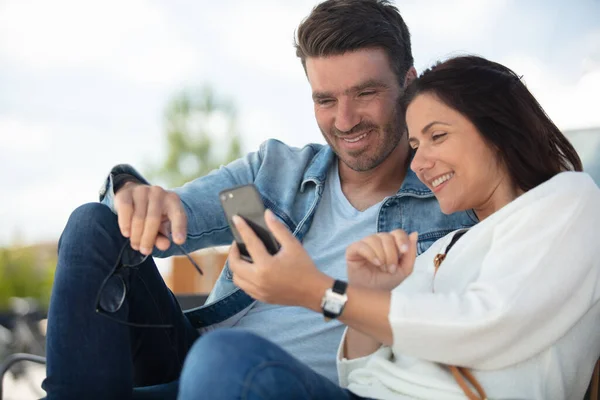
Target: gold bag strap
(595,382)
(463,376)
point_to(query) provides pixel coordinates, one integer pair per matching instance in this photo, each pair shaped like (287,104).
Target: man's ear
(411,75)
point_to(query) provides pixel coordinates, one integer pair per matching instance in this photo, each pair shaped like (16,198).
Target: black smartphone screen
(245,202)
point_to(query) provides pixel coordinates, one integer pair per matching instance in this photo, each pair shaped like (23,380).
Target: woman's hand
(382,261)
(289,277)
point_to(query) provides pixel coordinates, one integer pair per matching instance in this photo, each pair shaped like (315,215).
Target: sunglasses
(113,290)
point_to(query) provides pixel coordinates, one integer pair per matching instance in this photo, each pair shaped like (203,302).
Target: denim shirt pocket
(426,239)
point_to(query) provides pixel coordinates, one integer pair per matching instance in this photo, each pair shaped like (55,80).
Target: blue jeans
(90,356)
(230,364)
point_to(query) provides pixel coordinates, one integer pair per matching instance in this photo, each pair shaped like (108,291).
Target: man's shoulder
(308,162)
(275,147)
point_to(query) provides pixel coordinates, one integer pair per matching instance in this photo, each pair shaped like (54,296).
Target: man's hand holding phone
(288,277)
(148,215)
(245,202)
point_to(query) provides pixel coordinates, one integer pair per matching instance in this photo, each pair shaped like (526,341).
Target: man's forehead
(343,71)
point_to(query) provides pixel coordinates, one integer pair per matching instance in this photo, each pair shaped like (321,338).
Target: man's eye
(324,102)
(366,93)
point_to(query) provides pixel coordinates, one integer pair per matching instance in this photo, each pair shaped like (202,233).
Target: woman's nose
(421,161)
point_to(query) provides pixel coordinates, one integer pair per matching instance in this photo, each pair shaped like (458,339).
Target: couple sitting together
(446,233)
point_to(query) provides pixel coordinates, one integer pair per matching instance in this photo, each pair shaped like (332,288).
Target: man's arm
(192,214)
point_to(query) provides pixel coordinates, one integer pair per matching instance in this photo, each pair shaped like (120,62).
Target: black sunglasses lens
(113,294)
(131,257)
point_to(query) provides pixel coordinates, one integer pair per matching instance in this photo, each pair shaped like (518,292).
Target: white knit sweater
(516,300)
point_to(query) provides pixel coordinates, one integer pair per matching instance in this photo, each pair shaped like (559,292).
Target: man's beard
(359,160)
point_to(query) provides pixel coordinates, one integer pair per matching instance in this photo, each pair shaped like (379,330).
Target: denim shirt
(290,181)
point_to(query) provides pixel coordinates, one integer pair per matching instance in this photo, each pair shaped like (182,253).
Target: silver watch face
(334,307)
(334,302)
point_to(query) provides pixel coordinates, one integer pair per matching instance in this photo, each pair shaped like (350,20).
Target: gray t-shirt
(306,336)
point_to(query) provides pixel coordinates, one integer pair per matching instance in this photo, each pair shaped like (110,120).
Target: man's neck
(363,189)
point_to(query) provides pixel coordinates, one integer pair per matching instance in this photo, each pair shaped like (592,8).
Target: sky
(84,85)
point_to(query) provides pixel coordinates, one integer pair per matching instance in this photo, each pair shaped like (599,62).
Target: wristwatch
(334,300)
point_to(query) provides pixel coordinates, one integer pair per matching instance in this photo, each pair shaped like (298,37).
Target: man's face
(355,98)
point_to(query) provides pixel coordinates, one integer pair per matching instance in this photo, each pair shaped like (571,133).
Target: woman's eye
(437,136)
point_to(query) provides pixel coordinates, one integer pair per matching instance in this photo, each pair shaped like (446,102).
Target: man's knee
(232,340)
(223,346)
(236,363)
(216,361)
(88,222)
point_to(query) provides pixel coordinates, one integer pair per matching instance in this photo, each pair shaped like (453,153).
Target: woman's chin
(449,208)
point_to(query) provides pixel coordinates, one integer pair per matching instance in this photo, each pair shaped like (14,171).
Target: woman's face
(453,160)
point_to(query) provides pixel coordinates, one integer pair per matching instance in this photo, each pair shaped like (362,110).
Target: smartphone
(245,202)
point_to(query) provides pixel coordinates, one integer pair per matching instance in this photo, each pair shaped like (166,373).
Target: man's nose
(346,116)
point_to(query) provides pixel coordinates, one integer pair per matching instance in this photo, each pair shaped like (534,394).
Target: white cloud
(590,46)
(18,136)
(439,19)
(261,34)
(132,39)
(571,102)
(262,124)
(577,106)
(40,211)
(53,168)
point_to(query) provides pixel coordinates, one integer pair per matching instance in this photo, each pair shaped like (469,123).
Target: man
(357,58)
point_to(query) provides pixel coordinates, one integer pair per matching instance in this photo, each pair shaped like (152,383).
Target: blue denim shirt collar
(413,185)
(319,167)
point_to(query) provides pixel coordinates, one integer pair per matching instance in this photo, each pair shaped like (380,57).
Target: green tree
(26,272)
(201,135)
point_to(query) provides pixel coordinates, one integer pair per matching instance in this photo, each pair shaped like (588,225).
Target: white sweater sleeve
(345,366)
(538,278)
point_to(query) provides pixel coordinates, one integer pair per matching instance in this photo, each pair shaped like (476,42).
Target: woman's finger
(361,251)
(374,242)
(402,242)
(407,244)
(411,254)
(390,249)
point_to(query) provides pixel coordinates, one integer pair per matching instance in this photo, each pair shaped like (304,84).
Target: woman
(515,301)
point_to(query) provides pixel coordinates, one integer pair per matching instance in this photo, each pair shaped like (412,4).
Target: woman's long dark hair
(506,114)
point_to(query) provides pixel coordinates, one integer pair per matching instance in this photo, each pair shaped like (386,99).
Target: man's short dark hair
(335,27)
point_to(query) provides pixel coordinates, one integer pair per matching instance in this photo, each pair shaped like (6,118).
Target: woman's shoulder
(566,190)
(576,182)
(575,191)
